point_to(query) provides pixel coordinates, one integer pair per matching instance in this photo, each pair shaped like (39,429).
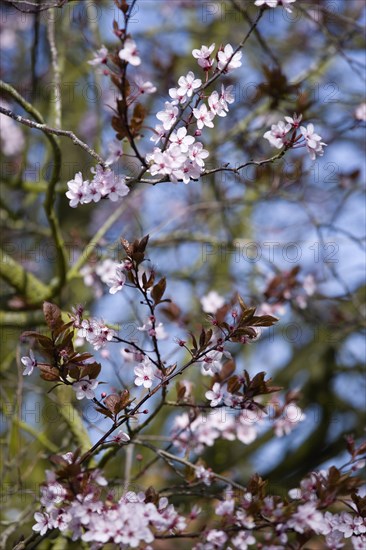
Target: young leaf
(52,315)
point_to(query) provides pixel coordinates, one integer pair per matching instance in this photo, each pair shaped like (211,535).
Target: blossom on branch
(314,144)
(117,281)
(188,84)
(204,117)
(275,3)
(277,134)
(144,374)
(203,56)
(85,388)
(29,363)
(129,53)
(105,184)
(227,60)
(100,57)
(215,395)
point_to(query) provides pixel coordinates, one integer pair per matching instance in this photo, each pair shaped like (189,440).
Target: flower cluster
(105,184)
(283,521)
(286,287)
(183,160)
(289,417)
(95,332)
(275,3)
(182,157)
(128,522)
(279,136)
(203,431)
(108,272)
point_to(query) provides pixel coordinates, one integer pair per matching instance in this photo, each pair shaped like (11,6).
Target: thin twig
(52,131)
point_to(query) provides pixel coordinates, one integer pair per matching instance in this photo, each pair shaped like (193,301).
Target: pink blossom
(159,133)
(307,517)
(100,57)
(197,154)
(115,151)
(145,86)
(292,415)
(29,363)
(212,302)
(177,96)
(43,523)
(286,4)
(190,171)
(216,104)
(360,112)
(188,84)
(144,374)
(228,60)
(181,139)
(277,134)
(225,508)
(117,281)
(215,395)
(294,120)
(204,475)
(77,190)
(203,56)
(246,431)
(309,285)
(212,361)
(243,539)
(95,332)
(204,117)
(121,437)
(85,388)
(216,538)
(129,53)
(168,116)
(227,96)
(313,141)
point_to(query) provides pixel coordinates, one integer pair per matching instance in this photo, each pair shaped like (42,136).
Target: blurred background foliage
(226,232)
